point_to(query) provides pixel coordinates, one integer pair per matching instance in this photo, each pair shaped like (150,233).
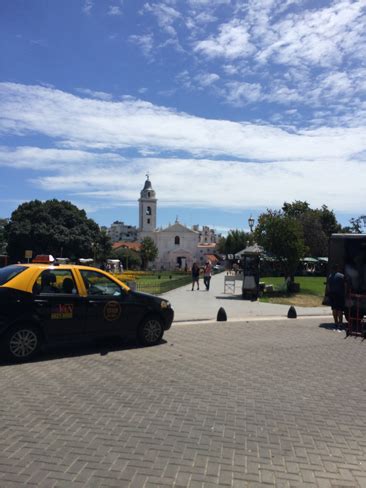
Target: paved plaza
(232,404)
(202,305)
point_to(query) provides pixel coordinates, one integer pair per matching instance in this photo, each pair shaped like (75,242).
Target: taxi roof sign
(43,258)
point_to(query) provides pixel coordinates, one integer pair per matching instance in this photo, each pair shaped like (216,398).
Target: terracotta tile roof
(134,246)
(207,245)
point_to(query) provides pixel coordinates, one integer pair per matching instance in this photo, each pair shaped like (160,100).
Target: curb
(250,319)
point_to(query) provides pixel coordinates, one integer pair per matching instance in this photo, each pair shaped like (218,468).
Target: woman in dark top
(195,275)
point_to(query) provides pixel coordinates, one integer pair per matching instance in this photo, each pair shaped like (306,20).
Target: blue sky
(231,106)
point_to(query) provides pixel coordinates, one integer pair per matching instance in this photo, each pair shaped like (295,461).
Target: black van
(348,251)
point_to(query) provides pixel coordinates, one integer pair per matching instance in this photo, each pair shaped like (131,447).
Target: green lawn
(310,295)
(157,283)
(311,288)
(309,285)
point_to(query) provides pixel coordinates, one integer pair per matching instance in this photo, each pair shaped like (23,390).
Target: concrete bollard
(221,315)
(291,314)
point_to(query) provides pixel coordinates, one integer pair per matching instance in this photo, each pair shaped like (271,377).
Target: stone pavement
(203,305)
(242,404)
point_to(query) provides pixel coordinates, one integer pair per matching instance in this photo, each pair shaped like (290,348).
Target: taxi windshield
(9,272)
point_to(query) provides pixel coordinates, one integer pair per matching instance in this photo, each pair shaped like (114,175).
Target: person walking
(336,290)
(207,273)
(195,276)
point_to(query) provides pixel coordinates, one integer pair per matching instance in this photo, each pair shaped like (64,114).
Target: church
(178,245)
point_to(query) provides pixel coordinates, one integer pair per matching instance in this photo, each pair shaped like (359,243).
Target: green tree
(235,241)
(149,251)
(328,220)
(104,246)
(54,227)
(3,243)
(282,237)
(357,224)
(317,225)
(130,258)
(315,240)
(295,209)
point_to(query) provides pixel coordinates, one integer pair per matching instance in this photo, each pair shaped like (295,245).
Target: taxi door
(59,306)
(108,308)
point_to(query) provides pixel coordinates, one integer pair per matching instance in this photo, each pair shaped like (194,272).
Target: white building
(178,245)
(119,231)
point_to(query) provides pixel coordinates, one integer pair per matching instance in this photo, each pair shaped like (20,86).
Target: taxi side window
(55,281)
(99,284)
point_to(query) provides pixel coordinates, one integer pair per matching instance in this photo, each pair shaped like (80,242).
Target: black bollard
(221,315)
(291,314)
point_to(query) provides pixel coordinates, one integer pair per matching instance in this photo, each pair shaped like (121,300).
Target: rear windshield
(9,272)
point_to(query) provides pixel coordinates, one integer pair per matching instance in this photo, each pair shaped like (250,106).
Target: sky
(231,106)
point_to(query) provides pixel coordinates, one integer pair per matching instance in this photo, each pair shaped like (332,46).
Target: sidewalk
(203,305)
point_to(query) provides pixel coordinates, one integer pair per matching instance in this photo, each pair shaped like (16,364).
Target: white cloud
(207,79)
(99,95)
(200,19)
(40,159)
(84,123)
(88,6)
(320,37)
(145,42)
(264,185)
(241,93)
(294,51)
(114,10)
(209,3)
(165,15)
(244,165)
(231,42)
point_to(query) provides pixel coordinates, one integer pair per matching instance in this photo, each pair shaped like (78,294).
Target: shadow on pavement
(239,298)
(332,326)
(101,347)
(230,297)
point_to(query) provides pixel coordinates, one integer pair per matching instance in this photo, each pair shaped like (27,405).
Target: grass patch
(156,282)
(310,295)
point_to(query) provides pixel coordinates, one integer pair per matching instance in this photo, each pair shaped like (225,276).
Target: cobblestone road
(278,403)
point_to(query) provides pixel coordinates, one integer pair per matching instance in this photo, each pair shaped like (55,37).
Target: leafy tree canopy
(54,227)
(328,221)
(357,225)
(3,243)
(317,225)
(235,241)
(296,209)
(149,251)
(130,258)
(281,236)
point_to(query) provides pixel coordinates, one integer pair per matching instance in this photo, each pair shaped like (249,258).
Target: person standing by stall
(335,291)
(207,273)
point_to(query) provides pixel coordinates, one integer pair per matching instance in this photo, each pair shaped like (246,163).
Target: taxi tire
(22,342)
(150,331)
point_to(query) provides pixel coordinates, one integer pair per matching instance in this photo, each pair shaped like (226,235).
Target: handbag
(326,300)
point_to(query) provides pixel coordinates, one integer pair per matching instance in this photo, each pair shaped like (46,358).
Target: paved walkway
(275,404)
(203,305)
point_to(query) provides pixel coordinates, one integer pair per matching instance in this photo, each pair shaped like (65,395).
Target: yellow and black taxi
(43,304)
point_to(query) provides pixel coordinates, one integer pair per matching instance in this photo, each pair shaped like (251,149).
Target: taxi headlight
(164,304)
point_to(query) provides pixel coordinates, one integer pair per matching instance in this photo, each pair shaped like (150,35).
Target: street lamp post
(251,223)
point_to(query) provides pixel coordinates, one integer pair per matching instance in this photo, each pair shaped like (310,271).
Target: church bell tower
(147,207)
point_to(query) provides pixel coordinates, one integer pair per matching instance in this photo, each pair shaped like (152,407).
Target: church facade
(178,245)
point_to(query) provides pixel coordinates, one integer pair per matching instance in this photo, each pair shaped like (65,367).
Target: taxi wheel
(150,331)
(23,342)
